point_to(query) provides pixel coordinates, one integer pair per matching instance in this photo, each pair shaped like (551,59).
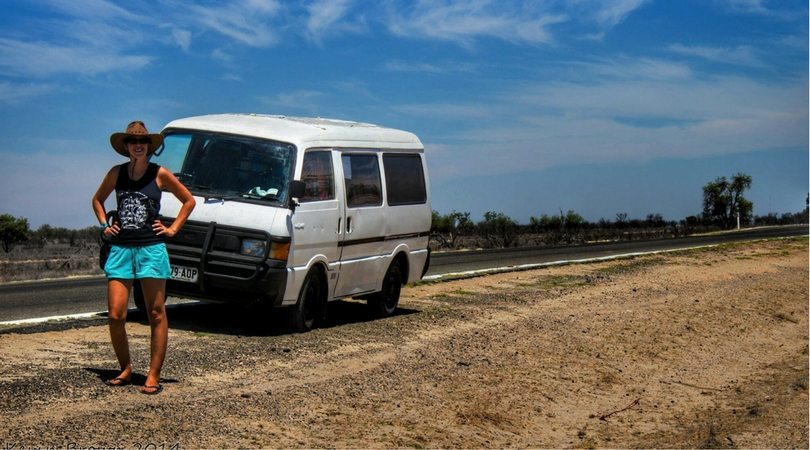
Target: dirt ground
(703,348)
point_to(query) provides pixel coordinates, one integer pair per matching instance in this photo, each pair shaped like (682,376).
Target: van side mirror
(297,189)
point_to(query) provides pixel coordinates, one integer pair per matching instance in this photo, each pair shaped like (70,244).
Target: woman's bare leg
(154,292)
(117,299)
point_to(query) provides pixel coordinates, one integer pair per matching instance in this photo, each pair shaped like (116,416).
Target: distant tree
(723,199)
(572,220)
(13,231)
(453,225)
(655,221)
(545,223)
(440,223)
(621,220)
(464,225)
(499,229)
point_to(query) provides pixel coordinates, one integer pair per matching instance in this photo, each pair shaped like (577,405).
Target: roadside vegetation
(56,252)
(456,231)
(724,207)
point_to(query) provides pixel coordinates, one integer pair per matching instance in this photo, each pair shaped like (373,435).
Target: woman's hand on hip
(111,230)
(163,230)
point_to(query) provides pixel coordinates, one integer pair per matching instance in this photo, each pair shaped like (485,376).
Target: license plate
(181,273)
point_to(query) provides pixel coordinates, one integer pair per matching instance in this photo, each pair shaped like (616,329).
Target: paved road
(74,296)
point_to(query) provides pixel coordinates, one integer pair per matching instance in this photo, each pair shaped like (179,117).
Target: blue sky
(525,107)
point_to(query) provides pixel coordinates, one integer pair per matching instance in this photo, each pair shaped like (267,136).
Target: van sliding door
(361,260)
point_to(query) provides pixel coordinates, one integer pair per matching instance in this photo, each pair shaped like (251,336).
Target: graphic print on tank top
(135,209)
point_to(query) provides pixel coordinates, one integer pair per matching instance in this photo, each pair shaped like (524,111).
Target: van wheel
(137,296)
(384,303)
(309,310)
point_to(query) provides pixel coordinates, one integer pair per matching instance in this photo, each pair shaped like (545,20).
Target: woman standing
(138,251)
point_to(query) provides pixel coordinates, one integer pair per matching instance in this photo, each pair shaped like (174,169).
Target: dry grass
(58,260)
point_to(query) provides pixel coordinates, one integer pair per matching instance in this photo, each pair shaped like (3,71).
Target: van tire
(384,303)
(137,296)
(309,310)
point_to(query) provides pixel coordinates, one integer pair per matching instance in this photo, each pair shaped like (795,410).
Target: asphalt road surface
(30,300)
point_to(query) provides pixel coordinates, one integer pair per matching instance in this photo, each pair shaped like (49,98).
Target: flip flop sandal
(115,382)
(157,389)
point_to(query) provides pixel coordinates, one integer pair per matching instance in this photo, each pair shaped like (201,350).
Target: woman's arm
(104,190)
(167,181)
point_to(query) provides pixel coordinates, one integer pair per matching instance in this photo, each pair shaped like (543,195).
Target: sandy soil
(704,348)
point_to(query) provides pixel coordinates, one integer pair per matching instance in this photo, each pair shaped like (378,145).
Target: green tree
(545,223)
(723,200)
(499,229)
(655,221)
(13,231)
(568,221)
(573,220)
(453,225)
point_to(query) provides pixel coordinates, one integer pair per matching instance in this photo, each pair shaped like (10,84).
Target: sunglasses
(143,140)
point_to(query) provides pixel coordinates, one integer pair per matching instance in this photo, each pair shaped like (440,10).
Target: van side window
(362,176)
(404,179)
(318,177)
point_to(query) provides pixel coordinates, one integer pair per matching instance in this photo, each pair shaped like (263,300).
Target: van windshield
(229,167)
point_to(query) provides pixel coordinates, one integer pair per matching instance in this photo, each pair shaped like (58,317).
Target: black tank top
(138,207)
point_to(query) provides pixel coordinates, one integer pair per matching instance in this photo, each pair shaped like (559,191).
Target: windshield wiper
(273,197)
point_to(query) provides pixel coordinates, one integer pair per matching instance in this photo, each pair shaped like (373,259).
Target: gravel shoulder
(702,348)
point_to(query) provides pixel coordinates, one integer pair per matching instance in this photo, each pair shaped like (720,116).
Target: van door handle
(338,228)
(299,225)
(349,225)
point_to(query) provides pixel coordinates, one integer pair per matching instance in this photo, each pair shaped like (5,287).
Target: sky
(524,107)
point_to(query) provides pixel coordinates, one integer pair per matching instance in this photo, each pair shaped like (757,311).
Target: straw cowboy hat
(135,129)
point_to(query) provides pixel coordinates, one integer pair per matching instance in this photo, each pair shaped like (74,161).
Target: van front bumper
(268,287)
(223,274)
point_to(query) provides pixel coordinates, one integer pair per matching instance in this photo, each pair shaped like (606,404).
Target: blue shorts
(133,263)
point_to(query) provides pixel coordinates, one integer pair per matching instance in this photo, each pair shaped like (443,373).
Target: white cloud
(464,21)
(221,55)
(782,10)
(182,38)
(99,10)
(741,55)
(441,68)
(610,13)
(447,111)
(42,59)
(248,22)
(329,17)
(232,77)
(748,6)
(300,101)
(12,93)
(626,68)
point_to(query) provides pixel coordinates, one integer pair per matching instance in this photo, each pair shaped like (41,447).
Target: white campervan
(296,212)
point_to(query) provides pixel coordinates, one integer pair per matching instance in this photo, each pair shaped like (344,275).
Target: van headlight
(254,247)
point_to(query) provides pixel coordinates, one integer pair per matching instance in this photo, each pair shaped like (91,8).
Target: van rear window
(404,179)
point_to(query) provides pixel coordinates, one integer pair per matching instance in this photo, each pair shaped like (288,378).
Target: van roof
(302,131)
